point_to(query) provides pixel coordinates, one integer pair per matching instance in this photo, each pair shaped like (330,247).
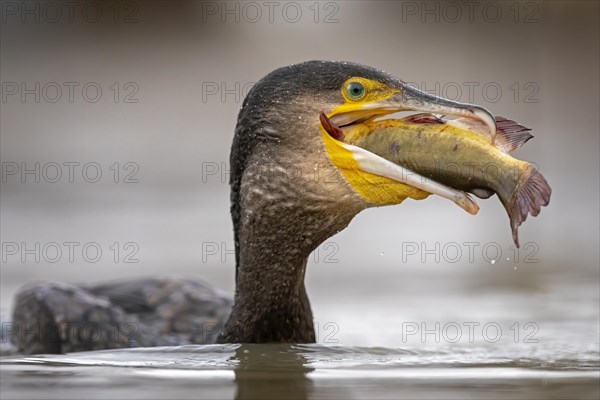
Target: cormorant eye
(355,90)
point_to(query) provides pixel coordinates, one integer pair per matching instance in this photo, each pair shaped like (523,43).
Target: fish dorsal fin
(513,134)
(509,135)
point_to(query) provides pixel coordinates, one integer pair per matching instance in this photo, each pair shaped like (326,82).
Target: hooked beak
(408,98)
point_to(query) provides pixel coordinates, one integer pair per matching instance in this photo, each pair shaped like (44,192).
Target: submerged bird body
(453,153)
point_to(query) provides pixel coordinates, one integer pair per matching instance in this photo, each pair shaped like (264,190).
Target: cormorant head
(294,182)
(287,162)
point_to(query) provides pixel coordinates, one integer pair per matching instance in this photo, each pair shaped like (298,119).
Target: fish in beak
(375,178)
(436,156)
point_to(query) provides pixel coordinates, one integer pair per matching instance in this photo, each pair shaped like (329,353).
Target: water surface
(305,371)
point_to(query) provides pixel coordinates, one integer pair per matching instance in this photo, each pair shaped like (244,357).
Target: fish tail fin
(531,194)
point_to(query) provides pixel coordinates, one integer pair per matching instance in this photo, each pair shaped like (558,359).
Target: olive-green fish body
(451,153)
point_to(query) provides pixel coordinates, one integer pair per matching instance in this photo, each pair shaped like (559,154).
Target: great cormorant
(282,210)
(291,189)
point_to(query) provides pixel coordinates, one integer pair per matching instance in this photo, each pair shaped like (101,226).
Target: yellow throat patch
(373,188)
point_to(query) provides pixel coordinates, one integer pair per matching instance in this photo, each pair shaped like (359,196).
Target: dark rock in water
(51,317)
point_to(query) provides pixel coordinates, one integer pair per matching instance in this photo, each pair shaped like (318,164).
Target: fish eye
(355,90)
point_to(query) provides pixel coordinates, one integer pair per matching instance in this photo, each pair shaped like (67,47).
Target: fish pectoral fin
(483,193)
(374,164)
(509,134)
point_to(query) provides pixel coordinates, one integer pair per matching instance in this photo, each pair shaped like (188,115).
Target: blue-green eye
(355,90)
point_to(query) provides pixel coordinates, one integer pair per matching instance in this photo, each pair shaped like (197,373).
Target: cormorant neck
(271,304)
(284,203)
(275,241)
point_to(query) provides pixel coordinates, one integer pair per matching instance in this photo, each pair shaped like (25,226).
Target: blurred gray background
(172,77)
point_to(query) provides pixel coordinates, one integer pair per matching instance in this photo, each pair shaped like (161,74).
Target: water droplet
(515,267)
(382,253)
(246,351)
(493,262)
